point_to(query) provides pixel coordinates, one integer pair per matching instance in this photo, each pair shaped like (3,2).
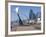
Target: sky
(23,11)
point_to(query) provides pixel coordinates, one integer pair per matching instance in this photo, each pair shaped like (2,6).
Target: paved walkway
(26,28)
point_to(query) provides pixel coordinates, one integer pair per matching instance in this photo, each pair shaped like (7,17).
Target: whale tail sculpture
(32,16)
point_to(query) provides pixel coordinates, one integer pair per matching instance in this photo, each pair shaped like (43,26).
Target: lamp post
(20,21)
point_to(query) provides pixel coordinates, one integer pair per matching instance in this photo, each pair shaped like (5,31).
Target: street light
(17,9)
(20,21)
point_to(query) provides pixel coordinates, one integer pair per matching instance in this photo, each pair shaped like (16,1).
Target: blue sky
(23,11)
